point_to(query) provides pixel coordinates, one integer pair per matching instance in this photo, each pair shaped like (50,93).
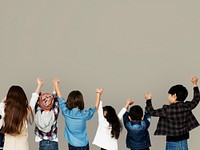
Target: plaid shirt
(175,119)
(51,135)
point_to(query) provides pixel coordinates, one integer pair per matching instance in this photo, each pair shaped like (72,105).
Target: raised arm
(35,95)
(128,103)
(40,83)
(56,81)
(196,96)
(99,92)
(126,106)
(194,81)
(149,108)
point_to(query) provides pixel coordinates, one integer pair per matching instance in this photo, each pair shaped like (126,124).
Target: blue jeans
(78,148)
(179,145)
(48,145)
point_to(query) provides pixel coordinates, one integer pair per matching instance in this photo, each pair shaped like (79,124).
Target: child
(46,116)
(176,119)
(137,125)
(76,117)
(109,127)
(17,114)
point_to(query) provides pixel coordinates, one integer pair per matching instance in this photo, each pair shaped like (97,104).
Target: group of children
(175,120)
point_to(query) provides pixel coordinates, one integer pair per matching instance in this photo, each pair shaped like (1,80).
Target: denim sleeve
(155,112)
(147,118)
(125,119)
(89,113)
(62,106)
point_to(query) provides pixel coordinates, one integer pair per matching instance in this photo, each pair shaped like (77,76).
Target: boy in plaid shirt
(176,119)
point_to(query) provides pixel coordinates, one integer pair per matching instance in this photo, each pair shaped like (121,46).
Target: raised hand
(194,80)
(129,102)
(148,96)
(99,90)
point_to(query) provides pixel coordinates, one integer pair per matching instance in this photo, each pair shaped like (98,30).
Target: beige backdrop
(127,47)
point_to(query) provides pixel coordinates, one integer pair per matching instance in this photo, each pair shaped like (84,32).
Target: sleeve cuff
(148,101)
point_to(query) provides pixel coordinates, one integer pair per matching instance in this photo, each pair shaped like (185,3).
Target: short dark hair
(75,99)
(136,113)
(180,91)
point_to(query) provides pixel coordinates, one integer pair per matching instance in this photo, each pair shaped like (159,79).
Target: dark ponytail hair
(113,120)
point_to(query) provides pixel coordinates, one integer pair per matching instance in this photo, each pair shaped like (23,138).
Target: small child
(137,125)
(109,127)
(176,119)
(46,116)
(76,117)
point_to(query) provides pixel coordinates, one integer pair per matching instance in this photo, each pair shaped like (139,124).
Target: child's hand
(148,96)
(56,81)
(40,81)
(194,80)
(3,100)
(129,101)
(99,90)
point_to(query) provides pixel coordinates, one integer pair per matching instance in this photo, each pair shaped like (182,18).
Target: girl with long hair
(17,115)
(109,126)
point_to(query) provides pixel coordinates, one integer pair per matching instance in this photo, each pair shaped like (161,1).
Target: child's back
(176,119)
(109,126)
(76,117)
(137,128)
(46,120)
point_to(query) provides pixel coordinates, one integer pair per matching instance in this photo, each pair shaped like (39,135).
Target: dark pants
(48,145)
(78,148)
(1,140)
(143,149)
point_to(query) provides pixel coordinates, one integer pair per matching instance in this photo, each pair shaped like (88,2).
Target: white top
(103,135)
(2,106)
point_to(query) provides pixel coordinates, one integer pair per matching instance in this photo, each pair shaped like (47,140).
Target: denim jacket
(137,132)
(75,124)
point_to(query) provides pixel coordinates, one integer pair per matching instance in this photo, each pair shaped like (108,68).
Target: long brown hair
(17,111)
